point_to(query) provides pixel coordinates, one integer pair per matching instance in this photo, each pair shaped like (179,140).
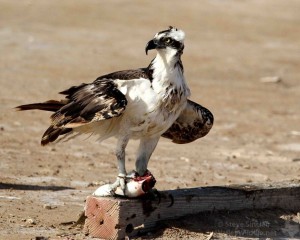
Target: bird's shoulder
(131,74)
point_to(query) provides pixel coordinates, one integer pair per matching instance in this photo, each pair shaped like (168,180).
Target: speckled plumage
(144,104)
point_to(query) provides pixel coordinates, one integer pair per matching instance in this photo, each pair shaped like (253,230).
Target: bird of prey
(145,104)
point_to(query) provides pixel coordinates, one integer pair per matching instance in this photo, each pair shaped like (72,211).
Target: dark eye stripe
(172,43)
(176,44)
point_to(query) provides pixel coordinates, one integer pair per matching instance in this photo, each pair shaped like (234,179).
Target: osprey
(144,104)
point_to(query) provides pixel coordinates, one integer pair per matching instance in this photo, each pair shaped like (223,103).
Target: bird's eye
(167,40)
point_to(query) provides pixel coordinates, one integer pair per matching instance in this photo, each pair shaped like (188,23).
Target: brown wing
(83,104)
(194,122)
(87,103)
(91,102)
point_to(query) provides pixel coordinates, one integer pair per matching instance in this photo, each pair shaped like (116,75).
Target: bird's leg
(120,154)
(146,148)
(136,183)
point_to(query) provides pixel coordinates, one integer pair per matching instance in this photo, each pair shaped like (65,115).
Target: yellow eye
(168,40)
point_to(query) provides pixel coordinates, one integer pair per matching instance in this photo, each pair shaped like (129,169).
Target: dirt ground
(231,47)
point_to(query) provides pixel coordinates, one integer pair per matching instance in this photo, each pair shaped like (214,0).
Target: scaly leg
(141,181)
(110,189)
(120,154)
(146,148)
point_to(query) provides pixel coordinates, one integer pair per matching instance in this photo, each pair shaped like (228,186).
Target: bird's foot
(137,185)
(147,178)
(131,185)
(109,190)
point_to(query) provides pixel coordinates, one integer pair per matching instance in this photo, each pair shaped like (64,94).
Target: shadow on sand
(250,224)
(33,187)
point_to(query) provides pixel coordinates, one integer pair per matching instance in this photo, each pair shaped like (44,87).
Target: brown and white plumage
(194,122)
(144,104)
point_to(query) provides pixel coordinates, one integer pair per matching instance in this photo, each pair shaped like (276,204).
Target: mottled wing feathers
(91,102)
(83,104)
(194,122)
(86,103)
(53,132)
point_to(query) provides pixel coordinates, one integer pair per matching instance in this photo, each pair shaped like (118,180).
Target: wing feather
(194,122)
(91,102)
(87,103)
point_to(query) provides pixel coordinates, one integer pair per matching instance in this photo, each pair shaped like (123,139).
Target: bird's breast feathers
(152,105)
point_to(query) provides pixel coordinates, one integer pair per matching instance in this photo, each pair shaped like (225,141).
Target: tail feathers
(52,133)
(51,105)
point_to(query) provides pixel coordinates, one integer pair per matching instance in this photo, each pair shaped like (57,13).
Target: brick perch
(116,218)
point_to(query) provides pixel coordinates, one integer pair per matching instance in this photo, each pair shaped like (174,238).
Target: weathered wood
(115,218)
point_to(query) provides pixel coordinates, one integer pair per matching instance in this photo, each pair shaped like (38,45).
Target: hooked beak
(150,45)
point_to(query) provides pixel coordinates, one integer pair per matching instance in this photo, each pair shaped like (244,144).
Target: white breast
(152,106)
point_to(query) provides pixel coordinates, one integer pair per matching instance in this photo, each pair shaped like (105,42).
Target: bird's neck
(167,70)
(168,58)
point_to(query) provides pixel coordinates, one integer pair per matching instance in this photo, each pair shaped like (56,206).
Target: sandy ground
(47,46)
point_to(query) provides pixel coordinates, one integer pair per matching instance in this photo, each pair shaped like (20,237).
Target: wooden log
(116,218)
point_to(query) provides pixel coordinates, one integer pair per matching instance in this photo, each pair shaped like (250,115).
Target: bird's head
(169,42)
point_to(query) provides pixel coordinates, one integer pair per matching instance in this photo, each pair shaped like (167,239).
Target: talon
(131,175)
(110,189)
(122,182)
(130,185)
(147,173)
(148,180)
